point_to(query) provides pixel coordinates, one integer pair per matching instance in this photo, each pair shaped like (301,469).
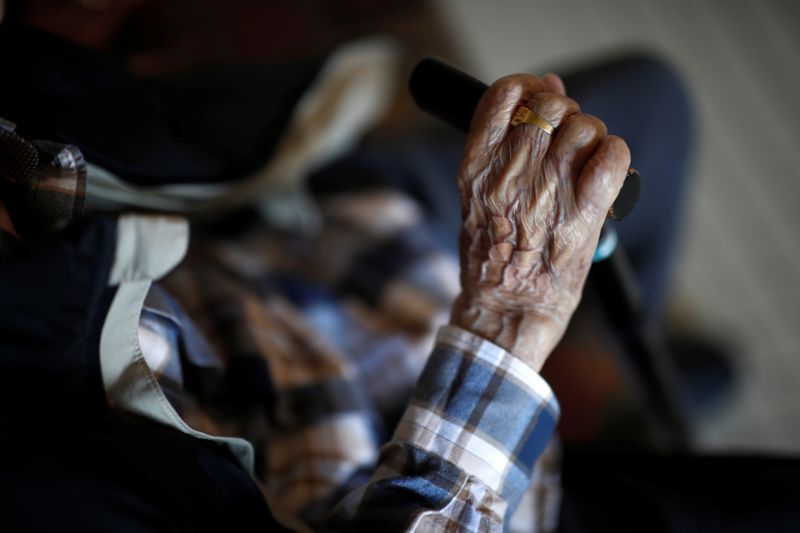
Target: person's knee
(640,95)
(662,89)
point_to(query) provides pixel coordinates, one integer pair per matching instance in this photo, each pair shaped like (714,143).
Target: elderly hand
(533,206)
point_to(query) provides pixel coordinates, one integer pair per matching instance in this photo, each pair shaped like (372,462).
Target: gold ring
(529,116)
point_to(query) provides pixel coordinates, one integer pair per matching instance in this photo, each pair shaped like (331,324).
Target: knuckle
(508,82)
(553,106)
(506,93)
(598,125)
(618,145)
(578,131)
(516,83)
(580,123)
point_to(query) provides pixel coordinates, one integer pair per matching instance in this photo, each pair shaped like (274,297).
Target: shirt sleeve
(463,453)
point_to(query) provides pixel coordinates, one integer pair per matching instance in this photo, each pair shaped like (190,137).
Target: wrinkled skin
(533,206)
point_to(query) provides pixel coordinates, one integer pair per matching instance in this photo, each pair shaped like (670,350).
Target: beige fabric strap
(148,247)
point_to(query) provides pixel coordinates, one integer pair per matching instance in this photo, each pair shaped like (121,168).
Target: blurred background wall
(738,267)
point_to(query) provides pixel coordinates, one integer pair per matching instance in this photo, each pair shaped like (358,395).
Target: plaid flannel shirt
(456,448)
(343,322)
(319,349)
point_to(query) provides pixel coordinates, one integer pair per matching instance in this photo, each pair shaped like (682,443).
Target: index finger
(492,118)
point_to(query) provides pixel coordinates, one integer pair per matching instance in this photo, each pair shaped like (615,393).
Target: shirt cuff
(483,409)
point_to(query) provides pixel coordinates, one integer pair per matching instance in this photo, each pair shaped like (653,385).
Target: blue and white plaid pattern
(467,443)
(461,407)
(340,326)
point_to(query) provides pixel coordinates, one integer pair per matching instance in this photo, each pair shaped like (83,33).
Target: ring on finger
(525,115)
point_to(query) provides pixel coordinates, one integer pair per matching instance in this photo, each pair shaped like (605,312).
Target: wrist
(529,336)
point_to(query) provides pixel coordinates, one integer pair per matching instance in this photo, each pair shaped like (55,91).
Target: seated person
(106,380)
